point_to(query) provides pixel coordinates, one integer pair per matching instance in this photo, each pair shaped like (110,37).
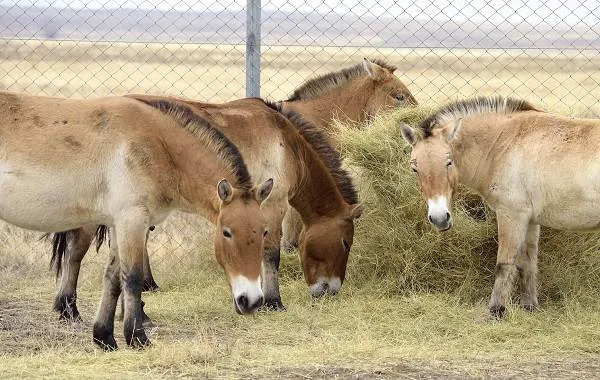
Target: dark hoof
(497,312)
(150,286)
(139,339)
(104,339)
(67,309)
(273,305)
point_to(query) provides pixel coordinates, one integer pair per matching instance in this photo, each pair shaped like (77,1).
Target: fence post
(253,48)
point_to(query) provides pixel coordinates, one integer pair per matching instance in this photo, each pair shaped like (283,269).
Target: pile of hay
(398,251)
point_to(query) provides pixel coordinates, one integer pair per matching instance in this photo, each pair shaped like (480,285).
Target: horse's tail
(60,241)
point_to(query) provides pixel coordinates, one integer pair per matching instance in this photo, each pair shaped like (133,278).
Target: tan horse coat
(533,168)
(123,163)
(307,174)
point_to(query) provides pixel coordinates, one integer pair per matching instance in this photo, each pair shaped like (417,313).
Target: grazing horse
(352,94)
(308,176)
(127,164)
(521,161)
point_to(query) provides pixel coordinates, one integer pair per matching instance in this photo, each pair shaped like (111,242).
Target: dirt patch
(28,327)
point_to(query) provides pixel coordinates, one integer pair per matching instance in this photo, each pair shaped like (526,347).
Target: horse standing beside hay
(521,161)
(352,94)
(307,173)
(127,164)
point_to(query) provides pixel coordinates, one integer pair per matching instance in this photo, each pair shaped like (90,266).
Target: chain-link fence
(543,51)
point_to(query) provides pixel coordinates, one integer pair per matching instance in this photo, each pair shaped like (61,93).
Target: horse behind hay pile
(127,164)
(521,161)
(352,94)
(308,176)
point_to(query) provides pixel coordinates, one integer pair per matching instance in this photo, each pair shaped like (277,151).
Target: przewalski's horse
(521,161)
(352,94)
(127,164)
(307,173)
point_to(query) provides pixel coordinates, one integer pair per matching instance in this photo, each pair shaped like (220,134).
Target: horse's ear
(370,68)
(409,134)
(357,210)
(224,190)
(264,190)
(453,132)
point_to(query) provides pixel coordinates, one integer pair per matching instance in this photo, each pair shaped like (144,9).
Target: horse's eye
(346,245)
(449,163)
(227,233)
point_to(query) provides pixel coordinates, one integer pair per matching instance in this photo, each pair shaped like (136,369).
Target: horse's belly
(46,200)
(581,216)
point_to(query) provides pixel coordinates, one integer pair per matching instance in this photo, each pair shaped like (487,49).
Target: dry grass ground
(413,304)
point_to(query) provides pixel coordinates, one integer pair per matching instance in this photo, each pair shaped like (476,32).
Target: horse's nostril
(242,302)
(257,304)
(430,219)
(447,216)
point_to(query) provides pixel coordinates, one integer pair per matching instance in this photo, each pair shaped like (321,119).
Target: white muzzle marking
(247,294)
(438,213)
(325,285)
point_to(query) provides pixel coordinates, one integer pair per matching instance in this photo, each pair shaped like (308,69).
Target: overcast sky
(533,11)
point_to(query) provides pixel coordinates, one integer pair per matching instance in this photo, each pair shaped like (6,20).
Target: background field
(414,302)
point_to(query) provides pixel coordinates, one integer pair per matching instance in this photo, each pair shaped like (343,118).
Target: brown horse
(352,94)
(308,175)
(127,164)
(522,162)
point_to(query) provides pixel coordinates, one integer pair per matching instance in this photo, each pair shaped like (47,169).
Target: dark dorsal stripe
(329,156)
(318,86)
(214,138)
(473,106)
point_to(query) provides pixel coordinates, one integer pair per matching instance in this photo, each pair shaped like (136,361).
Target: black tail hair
(60,241)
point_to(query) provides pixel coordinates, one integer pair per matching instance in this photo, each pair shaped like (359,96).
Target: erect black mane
(318,86)
(202,128)
(473,106)
(329,155)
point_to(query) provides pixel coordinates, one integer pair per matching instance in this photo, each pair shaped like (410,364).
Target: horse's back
(64,161)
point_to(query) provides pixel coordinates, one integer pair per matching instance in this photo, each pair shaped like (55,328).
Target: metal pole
(253,48)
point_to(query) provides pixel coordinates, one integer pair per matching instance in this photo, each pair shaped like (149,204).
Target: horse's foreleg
(292,225)
(78,243)
(512,231)
(270,267)
(131,234)
(105,318)
(149,284)
(527,266)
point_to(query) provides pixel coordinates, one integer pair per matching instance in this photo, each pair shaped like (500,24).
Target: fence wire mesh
(543,51)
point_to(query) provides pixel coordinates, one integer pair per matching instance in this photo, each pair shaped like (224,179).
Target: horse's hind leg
(527,265)
(105,318)
(78,242)
(512,232)
(149,284)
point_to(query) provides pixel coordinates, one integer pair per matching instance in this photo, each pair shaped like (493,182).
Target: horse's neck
(340,103)
(477,152)
(199,170)
(314,192)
